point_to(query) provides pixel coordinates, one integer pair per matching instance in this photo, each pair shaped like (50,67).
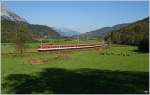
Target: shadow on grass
(55,80)
(139,51)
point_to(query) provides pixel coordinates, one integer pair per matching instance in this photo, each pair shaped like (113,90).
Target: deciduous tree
(20,38)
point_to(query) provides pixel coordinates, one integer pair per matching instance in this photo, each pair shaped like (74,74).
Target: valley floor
(118,69)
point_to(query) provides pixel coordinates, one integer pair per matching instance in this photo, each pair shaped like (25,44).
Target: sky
(81,16)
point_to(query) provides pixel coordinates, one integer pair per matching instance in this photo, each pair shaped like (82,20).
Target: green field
(32,47)
(118,69)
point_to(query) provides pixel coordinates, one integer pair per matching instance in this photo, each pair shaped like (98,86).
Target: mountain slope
(10,21)
(8,27)
(66,32)
(42,30)
(9,15)
(102,31)
(132,34)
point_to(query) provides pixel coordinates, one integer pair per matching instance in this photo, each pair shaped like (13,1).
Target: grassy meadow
(32,47)
(118,69)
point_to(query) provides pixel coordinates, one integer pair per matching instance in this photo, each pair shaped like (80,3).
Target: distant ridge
(65,32)
(102,31)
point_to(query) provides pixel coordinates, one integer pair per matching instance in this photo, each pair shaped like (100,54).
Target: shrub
(144,45)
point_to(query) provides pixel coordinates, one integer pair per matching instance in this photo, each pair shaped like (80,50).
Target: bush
(144,45)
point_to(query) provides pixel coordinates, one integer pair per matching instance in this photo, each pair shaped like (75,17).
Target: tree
(20,38)
(109,42)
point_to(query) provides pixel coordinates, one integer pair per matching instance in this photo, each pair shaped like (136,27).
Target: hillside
(42,30)
(132,34)
(10,21)
(8,27)
(102,31)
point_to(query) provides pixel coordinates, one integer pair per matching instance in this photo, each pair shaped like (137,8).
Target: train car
(52,47)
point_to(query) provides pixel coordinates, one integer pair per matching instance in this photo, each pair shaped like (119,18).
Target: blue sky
(81,16)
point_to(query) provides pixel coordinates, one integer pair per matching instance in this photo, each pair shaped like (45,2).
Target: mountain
(133,34)
(8,27)
(9,15)
(102,31)
(43,30)
(65,32)
(10,22)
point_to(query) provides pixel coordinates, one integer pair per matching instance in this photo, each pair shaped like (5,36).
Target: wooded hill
(9,27)
(132,34)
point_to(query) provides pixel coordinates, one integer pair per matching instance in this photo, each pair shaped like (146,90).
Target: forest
(136,33)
